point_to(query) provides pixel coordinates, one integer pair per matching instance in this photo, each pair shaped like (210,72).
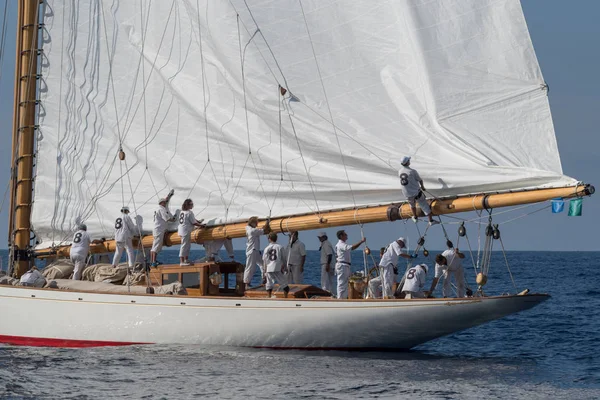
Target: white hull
(78,319)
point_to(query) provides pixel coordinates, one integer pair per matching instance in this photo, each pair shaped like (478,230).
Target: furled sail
(282,107)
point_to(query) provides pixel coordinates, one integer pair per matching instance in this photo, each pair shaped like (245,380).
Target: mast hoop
(39,25)
(38,52)
(27,76)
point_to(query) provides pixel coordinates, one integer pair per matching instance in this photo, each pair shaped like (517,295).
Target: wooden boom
(364,215)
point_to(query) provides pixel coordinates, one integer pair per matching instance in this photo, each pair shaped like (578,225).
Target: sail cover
(279,107)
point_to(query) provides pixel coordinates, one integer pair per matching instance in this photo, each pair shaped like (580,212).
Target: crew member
(274,262)
(343,262)
(375,291)
(327,266)
(187,223)
(162,216)
(389,263)
(296,256)
(80,248)
(33,278)
(412,188)
(414,281)
(446,266)
(454,269)
(253,258)
(124,231)
(213,247)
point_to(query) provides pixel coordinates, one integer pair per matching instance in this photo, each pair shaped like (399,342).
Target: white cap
(425,267)
(401,239)
(125,208)
(405,160)
(163,200)
(321,234)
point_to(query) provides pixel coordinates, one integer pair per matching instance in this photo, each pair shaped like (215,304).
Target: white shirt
(391,255)
(187,219)
(454,261)
(124,228)
(409,181)
(161,218)
(81,243)
(414,279)
(342,252)
(274,257)
(295,252)
(212,247)
(253,236)
(31,277)
(326,250)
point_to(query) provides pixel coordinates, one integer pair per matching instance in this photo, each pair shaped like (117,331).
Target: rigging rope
(327,101)
(507,265)
(3,38)
(202,67)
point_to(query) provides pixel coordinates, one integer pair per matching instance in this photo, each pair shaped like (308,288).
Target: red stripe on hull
(49,342)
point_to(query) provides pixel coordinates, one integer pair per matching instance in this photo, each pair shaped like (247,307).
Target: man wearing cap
(253,258)
(414,281)
(343,262)
(448,264)
(162,216)
(327,270)
(124,231)
(412,188)
(296,257)
(389,262)
(80,247)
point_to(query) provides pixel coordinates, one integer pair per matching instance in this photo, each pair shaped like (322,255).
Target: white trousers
(157,242)
(186,243)
(327,278)
(296,275)
(375,291)
(343,275)
(278,277)
(128,247)
(252,261)
(387,280)
(422,203)
(79,262)
(459,277)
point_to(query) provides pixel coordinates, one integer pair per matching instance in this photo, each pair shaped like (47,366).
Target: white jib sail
(454,84)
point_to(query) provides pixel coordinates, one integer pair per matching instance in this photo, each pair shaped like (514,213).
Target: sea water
(550,351)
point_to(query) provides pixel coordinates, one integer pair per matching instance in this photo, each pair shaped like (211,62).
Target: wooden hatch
(197,278)
(197,281)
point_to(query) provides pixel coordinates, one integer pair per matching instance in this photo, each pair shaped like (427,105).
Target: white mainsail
(456,85)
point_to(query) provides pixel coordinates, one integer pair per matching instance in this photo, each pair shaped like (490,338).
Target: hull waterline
(44,317)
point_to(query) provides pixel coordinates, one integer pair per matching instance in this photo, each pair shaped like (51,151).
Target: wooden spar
(350,217)
(24,134)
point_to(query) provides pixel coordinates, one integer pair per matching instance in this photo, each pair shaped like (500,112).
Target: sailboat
(296,111)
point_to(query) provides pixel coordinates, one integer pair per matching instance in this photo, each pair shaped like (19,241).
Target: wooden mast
(24,133)
(355,216)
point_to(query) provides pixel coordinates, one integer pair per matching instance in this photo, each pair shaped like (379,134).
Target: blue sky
(566,40)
